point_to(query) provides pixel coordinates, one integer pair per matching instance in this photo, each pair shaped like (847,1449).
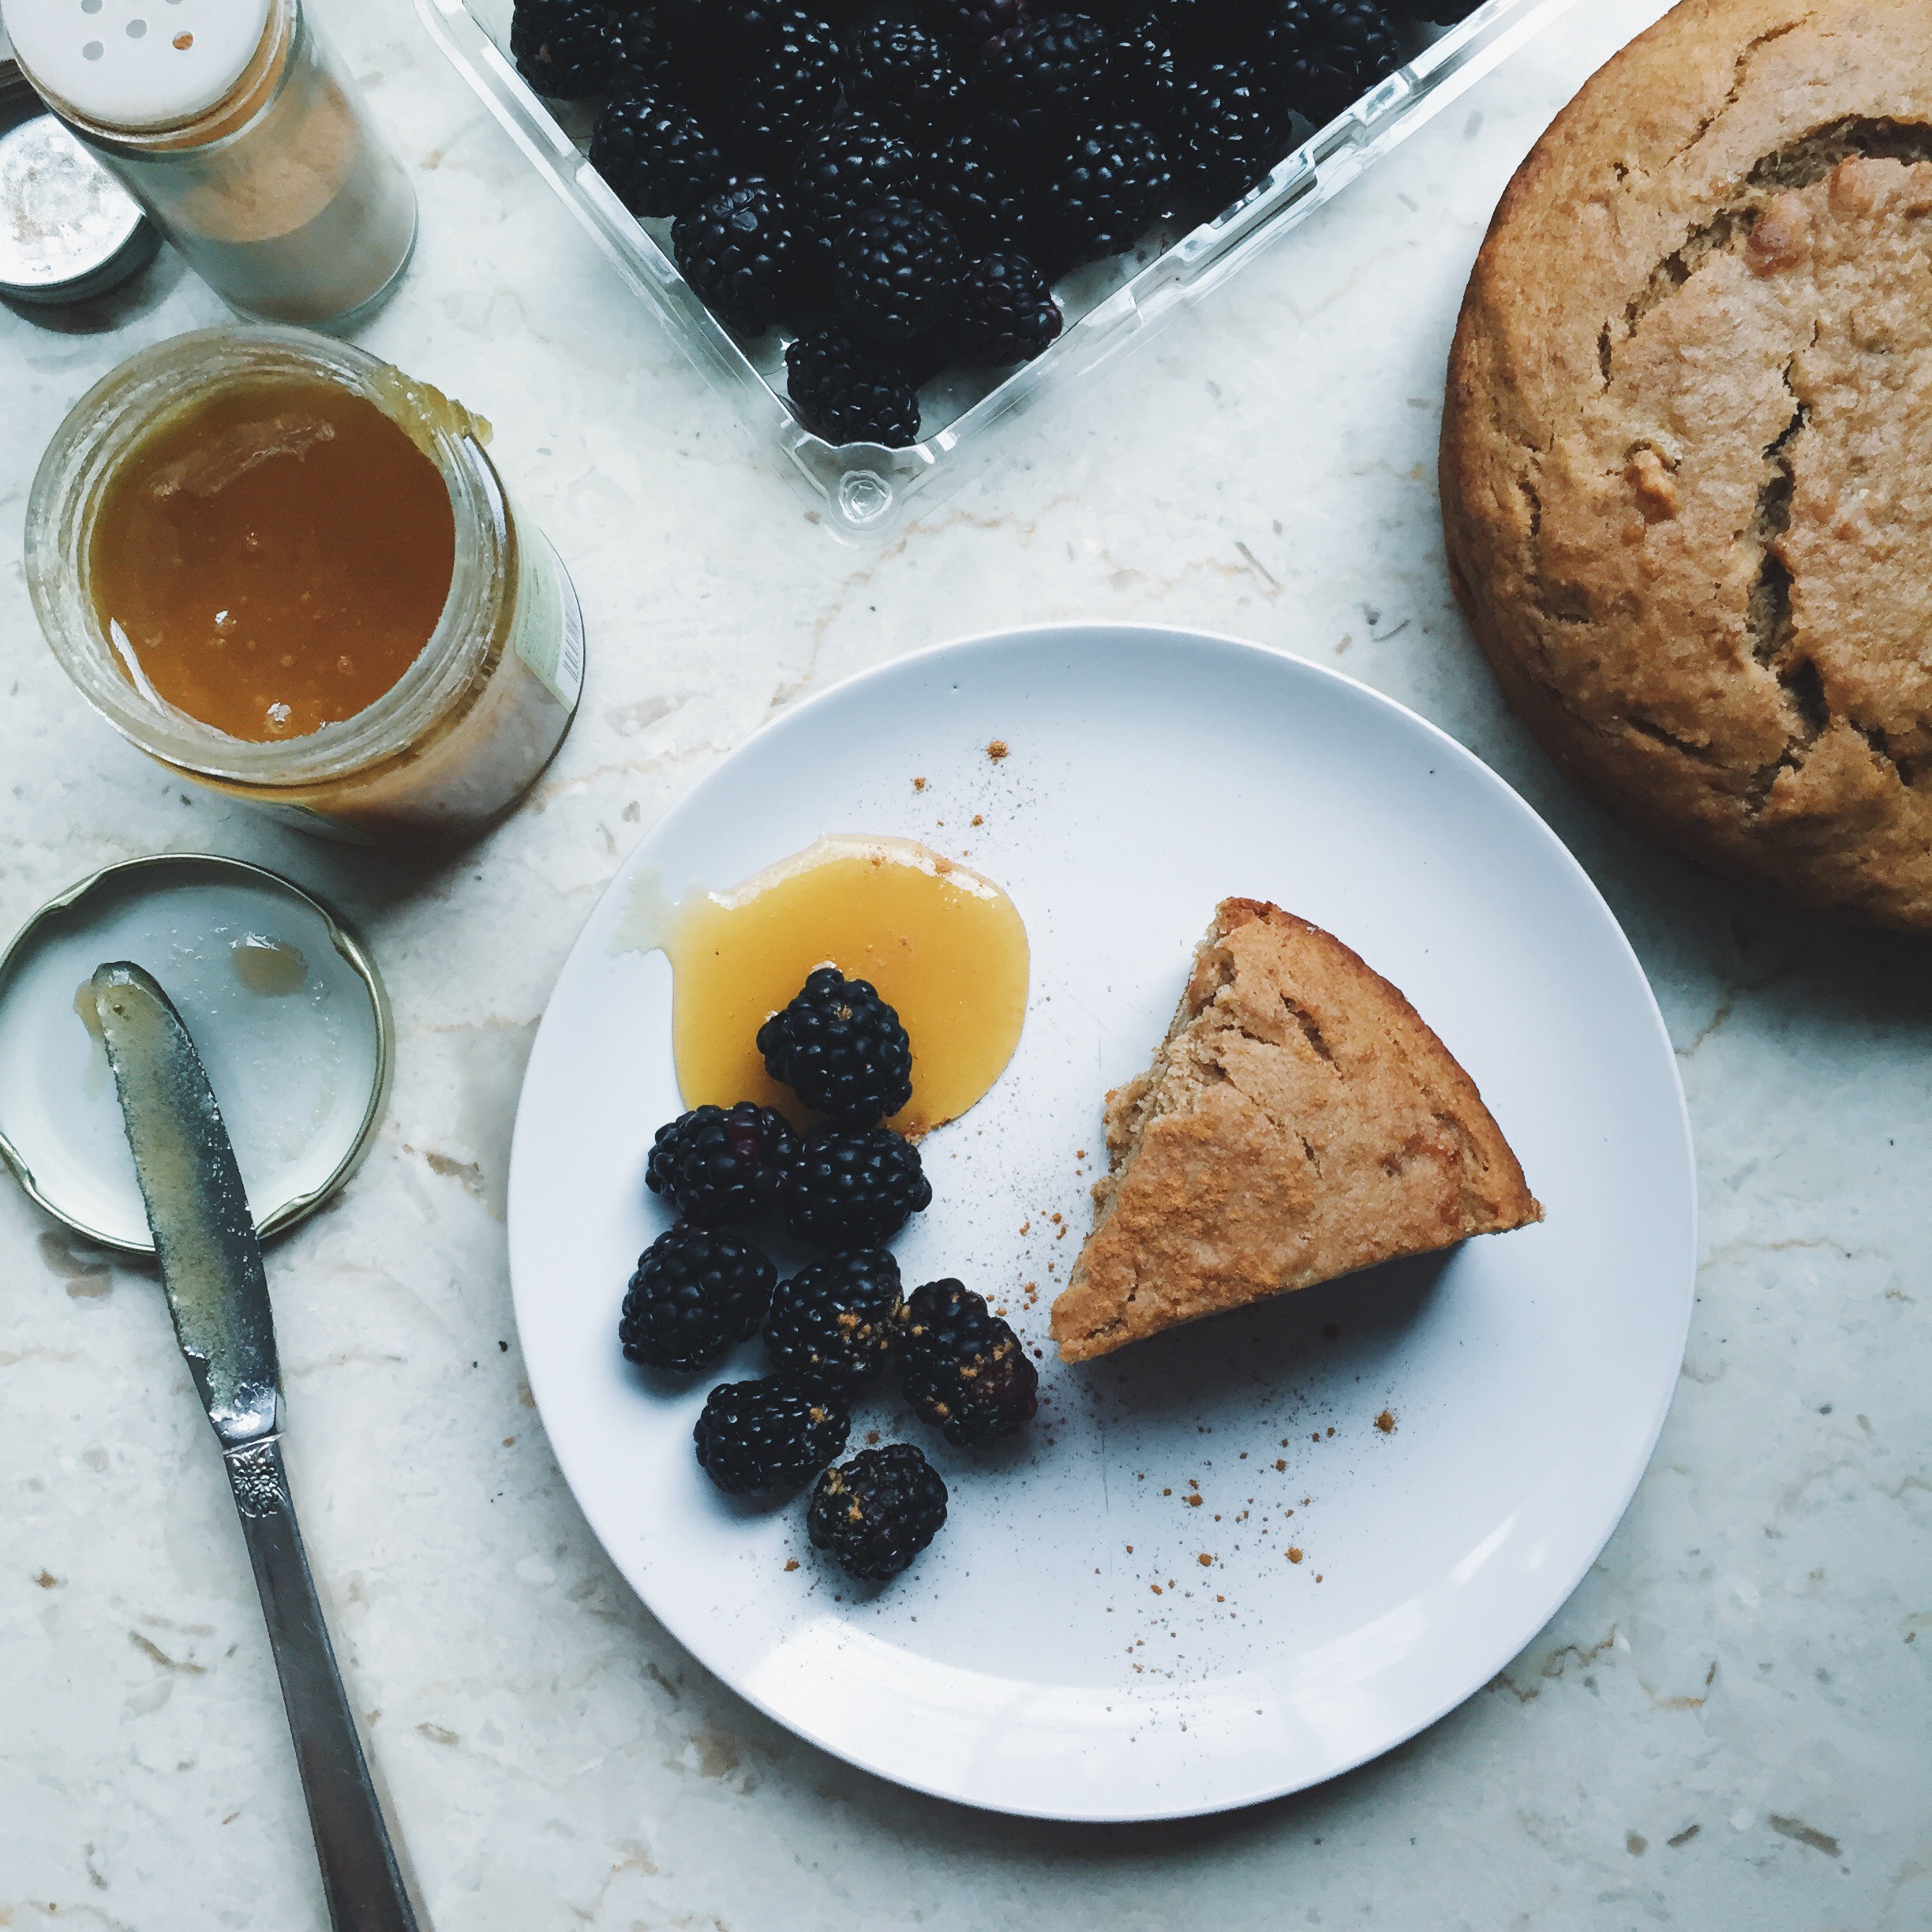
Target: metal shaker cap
(69,231)
(131,64)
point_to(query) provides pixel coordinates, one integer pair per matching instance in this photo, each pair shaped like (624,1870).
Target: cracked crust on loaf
(1686,450)
(1300,1121)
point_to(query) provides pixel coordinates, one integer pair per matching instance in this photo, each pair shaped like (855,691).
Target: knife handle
(360,1878)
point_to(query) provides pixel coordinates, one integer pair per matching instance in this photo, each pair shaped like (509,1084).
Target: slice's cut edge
(1299,1121)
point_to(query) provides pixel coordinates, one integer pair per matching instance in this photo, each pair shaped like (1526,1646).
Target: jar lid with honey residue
(285,1006)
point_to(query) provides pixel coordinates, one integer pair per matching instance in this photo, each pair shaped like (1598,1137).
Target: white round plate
(1063,1650)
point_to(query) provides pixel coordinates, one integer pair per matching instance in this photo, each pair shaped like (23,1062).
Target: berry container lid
(865,493)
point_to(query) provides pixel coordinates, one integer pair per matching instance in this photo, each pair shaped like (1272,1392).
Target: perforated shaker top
(136,64)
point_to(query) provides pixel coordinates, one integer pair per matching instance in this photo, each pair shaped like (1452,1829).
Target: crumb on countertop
(997,750)
(1385,1422)
(918,784)
(791,1562)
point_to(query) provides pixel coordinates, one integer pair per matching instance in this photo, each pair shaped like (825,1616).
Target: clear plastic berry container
(865,492)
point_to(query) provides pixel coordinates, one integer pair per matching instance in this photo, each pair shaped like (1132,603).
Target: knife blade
(204,1236)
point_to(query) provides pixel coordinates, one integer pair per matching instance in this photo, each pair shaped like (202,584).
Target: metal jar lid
(69,231)
(284,1003)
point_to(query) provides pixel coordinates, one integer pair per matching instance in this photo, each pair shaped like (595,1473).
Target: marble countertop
(1728,1725)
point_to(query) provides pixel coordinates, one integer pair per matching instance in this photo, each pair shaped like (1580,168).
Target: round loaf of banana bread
(1686,456)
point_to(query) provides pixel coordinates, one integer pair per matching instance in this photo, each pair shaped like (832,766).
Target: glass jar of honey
(286,570)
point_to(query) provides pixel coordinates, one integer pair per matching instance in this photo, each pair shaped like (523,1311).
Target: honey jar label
(548,632)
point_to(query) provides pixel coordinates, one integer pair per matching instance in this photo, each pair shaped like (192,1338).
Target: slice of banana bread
(1300,1120)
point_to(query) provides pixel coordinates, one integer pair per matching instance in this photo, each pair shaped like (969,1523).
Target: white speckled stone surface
(1727,1726)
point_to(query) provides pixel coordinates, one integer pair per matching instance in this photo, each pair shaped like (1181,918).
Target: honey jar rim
(114,420)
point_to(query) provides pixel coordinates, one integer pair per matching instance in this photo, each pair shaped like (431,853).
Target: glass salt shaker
(237,128)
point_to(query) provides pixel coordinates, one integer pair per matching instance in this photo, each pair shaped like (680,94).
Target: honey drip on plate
(943,945)
(273,558)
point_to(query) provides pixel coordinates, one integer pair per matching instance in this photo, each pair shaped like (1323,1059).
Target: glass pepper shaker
(237,127)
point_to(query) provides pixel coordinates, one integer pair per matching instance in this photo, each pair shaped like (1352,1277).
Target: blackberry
(1113,184)
(877,1512)
(1006,312)
(834,1321)
(695,1292)
(801,42)
(896,268)
(720,1165)
(964,180)
(841,1048)
(898,73)
(970,27)
(1232,133)
(643,57)
(840,172)
(772,1434)
(563,48)
(656,158)
(793,89)
(854,1187)
(962,1368)
(1320,54)
(773,116)
(1041,84)
(738,252)
(846,391)
(1146,77)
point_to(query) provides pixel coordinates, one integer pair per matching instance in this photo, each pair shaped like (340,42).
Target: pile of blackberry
(846,1185)
(898,185)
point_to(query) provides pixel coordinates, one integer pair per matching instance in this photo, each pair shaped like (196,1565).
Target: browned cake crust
(1299,1121)
(1687,457)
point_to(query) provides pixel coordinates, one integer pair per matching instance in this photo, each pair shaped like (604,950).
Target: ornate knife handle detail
(256,1475)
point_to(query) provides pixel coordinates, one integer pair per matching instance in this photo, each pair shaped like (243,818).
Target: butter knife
(218,1294)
